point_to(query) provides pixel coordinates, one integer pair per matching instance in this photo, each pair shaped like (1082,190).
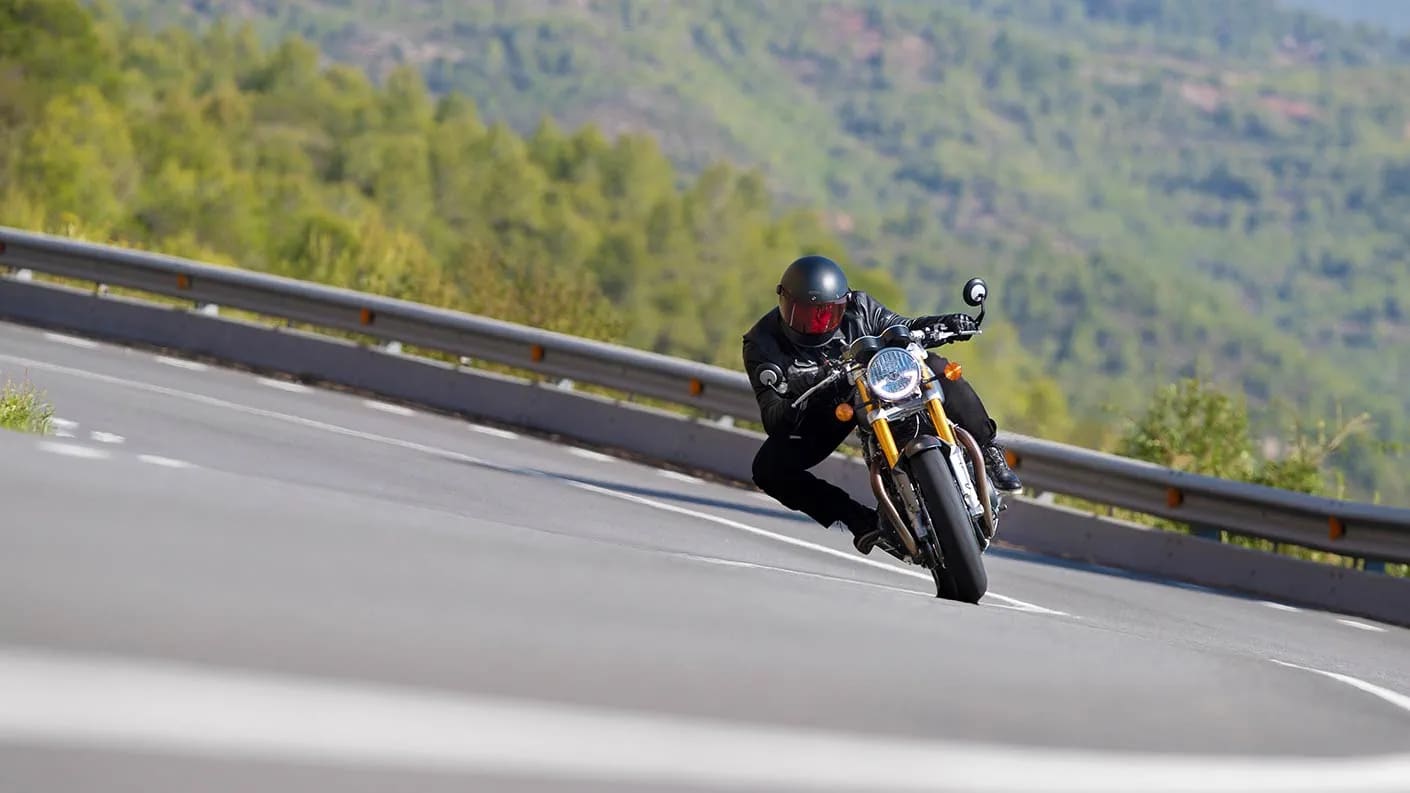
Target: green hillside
(1153,186)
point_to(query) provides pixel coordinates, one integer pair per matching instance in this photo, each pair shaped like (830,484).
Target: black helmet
(812,296)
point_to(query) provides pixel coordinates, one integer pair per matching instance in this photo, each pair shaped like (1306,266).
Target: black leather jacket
(766,343)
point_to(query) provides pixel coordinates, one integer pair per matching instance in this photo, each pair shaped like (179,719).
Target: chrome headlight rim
(901,378)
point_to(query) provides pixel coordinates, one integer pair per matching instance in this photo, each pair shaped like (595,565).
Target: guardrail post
(1206,532)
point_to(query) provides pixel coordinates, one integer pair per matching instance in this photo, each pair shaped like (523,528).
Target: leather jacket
(767,343)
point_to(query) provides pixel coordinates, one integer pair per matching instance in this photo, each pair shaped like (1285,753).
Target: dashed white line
(387,407)
(105,437)
(1393,697)
(494,432)
(679,477)
(589,454)
(165,462)
(73,450)
(1361,625)
(1280,606)
(72,341)
(63,424)
(284,385)
(755,530)
(182,363)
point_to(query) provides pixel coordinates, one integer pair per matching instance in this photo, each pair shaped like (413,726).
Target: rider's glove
(962,325)
(802,376)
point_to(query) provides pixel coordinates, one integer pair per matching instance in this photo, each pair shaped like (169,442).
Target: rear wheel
(963,577)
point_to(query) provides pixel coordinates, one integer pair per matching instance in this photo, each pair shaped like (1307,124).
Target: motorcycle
(939,508)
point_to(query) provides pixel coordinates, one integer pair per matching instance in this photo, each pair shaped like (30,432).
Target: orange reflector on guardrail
(1174,497)
(183,281)
(1012,458)
(367,316)
(1335,528)
(696,387)
(537,352)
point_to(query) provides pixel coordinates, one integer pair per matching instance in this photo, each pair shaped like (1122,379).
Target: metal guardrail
(1375,533)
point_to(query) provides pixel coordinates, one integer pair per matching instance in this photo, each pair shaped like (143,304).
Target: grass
(23,409)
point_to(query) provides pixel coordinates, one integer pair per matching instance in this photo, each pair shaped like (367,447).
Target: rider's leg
(781,470)
(963,405)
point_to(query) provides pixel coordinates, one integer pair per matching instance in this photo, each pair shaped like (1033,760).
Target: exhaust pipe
(981,480)
(887,506)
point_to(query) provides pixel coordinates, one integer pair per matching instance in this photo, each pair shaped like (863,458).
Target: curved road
(212,575)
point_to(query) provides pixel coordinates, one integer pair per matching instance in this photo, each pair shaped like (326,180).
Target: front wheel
(964,577)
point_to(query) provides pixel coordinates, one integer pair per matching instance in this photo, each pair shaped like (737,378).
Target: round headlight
(893,373)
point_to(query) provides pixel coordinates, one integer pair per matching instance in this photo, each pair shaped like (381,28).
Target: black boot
(865,528)
(1000,474)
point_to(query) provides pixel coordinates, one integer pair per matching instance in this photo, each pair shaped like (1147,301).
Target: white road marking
(182,363)
(1393,697)
(73,450)
(387,407)
(589,454)
(63,424)
(170,708)
(1361,625)
(1280,606)
(105,437)
(755,530)
(226,404)
(494,432)
(284,385)
(165,462)
(63,434)
(679,477)
(72,341)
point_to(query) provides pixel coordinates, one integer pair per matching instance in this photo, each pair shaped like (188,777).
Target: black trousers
(782,463)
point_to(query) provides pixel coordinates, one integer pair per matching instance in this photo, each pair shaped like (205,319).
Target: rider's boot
(1000,474)
(866,529)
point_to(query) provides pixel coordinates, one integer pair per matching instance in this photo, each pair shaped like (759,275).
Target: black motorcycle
(938,507)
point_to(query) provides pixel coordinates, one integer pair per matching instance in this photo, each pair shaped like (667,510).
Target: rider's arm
(776,411)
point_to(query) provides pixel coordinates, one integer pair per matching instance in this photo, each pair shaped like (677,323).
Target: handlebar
(916,336)
(821,384)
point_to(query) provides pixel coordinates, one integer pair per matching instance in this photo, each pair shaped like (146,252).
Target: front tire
(964,577)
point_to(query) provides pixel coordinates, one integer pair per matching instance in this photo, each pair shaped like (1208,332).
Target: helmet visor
(813,319)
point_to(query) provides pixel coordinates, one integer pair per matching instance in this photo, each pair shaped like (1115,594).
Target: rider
(817,314)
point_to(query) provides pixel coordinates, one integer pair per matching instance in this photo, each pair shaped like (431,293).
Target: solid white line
(225,404)
(165,707)
(589,454)
(182,363)
(755,530)
(387,407)
(73,450)
(105,437)
(494,432)
(284,385)
(1393,697)
(165,462)
(1361,625)
(679,477)
(72,341)
(1280,606)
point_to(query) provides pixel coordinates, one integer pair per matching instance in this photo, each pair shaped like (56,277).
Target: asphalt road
(214,581)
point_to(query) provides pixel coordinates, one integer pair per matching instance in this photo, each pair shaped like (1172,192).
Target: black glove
(963,325)
(801,376)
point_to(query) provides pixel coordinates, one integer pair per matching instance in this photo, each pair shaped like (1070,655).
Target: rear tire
(964,577)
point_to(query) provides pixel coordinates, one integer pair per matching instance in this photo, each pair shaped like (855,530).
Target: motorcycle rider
(819,314)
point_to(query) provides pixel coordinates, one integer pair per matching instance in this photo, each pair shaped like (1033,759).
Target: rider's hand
(802,377)
(961,324)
